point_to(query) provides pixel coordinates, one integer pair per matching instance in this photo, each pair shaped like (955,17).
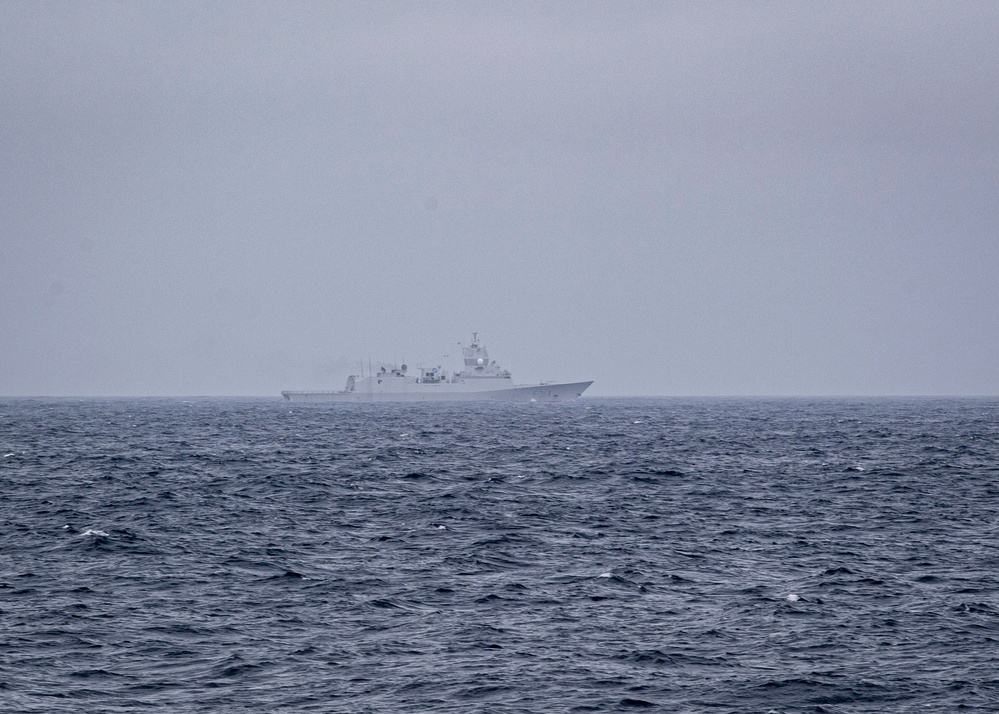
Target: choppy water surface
(605,555)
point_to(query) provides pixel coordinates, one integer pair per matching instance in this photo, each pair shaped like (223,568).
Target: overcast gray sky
(670,198)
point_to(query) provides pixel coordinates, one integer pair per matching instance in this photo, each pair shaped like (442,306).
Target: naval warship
(481,379)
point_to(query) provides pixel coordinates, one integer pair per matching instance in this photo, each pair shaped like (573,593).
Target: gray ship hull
(449,393)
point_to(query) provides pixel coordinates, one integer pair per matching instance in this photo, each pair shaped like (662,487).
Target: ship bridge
(477,364)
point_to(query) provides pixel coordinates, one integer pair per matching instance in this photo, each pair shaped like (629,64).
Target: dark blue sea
(676,555)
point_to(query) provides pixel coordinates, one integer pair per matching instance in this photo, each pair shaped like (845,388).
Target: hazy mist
(691,198)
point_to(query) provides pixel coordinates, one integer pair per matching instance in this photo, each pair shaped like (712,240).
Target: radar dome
(480,361)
